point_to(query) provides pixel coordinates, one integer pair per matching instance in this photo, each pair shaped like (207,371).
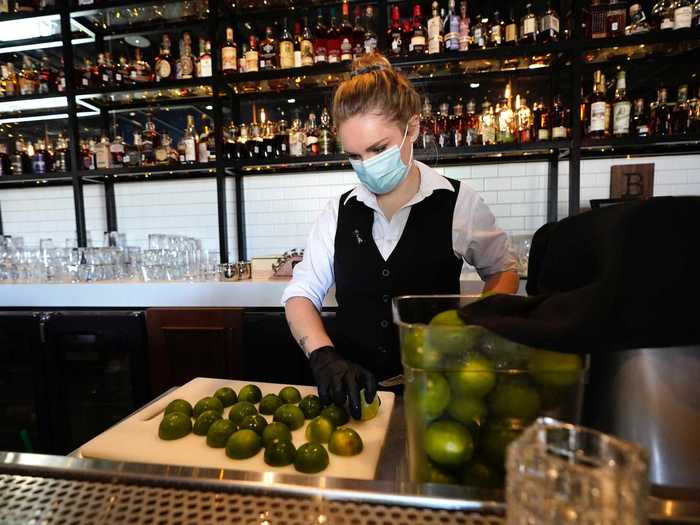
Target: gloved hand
(338,379)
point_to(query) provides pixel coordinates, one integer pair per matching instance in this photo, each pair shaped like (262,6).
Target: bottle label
(190,150)
(598,116)
(333,56)
(434,37)
(621,118)
(418,42)
(251,61)
(529,26)
(370,45)
(163,69)
(228,59)
(286,54)
(559,132)
(320,55)
(666,23)
(203,152)
(543,134)
(511,33)
(550,22)
(682,17)
(396,43)
(642,130)
(307,53)
(297,58)
(496,34)
(452,41)
(105,78)
(346,50)
(186,67)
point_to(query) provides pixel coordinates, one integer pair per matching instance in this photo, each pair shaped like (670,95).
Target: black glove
(338,379)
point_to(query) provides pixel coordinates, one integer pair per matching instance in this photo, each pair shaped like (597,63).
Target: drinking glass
(559,473)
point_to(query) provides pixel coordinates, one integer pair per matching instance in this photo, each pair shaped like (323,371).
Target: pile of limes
(244,431)
(470,392)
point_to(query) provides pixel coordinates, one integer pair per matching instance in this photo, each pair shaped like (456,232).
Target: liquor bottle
(661,114)
(662,15)
(121,72)
(464,39)
(471,125)
(511,31)
(5,6)
(622,107)
(696,13)
(370,42)
(206,140)
(5,164)
(45,76)
(281,138)
(105,71)
(103,157)
(308,54)
(549,25)
(523,121)
(358,34)
(441,130)
(427,136)
(497,31)
(597,107)
(140,70)
(694,119)
(560,119)
(117,151)
(682,14)
(452,24)
(41,160)
(297,143)
(540,121)
(229,53)
(61,158)
(132,152)
(162,151)
(345,34)
(640,121)
(185,64)
(479,32)
(10,76)
(205,67)
(435,37)
(268,51)
(242,150)
(268,140)
(251,55)
(638,21)
(333,40)
(528,27)
(164,66)
(21,163)
(149,143)
(311,130)
(394,35)
(418,33)
(286,49)
(326,140)
(24,6)
(296,40)
(189,141)
(255,141)
(28,77)
(320,44)
(487,123)
(616,18)
(681,112)
(456,125)
(505,132)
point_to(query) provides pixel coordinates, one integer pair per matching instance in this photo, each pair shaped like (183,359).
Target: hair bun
(369,63)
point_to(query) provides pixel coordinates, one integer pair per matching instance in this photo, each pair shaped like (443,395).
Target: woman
(404,230)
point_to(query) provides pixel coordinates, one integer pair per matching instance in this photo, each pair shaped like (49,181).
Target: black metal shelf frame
(567,57)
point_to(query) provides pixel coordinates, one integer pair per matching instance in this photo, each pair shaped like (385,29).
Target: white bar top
(263,291)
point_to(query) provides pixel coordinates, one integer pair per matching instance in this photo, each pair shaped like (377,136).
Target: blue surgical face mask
(384,172)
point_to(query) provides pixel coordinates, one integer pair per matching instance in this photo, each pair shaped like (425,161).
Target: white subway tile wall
(280,209)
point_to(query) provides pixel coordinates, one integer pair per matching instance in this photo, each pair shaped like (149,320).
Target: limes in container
(515,399)
(467,410)
(429,394)
(474,379)
(448,443)
(555,369)
(417,354)
(496,437)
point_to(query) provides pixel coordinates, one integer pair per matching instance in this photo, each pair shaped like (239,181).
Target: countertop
(263,291)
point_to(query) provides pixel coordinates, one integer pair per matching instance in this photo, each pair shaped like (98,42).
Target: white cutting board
(136,438)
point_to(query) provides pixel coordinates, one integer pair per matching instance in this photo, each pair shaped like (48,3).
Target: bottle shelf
(669,144)
(6,17)
(197,169)
(33,180)
(124,97)
(241,11)
(652,37)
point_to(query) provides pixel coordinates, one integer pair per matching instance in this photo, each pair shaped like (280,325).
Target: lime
(453,340)
(250,393)
(243,444)
(226,395)
(219,432)
(276,432)
(208,403)
(448,444)
(479,474)
(368,410)
(254,422)
(241,410)
(204,421)
(515,399)
(338,415)
(554,368)
(319,430)
(474,379)
(438,475)
(496,438)
(270,403)
(504,353)
(415,352)
(447,318)
(289,394)
(430,394)
(310,406)
(311,458)
(179,405)
(345,442)
(290,415)
(174,426)
(280,454)
(468,410)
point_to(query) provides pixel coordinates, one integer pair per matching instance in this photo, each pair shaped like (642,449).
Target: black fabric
(423,262)
(615,278)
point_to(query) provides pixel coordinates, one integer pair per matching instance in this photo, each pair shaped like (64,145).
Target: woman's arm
(306,325)
(503,282)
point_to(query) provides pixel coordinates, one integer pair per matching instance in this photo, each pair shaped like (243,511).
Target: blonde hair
(375,86)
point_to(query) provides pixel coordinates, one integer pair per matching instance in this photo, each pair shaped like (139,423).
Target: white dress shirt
(475,237)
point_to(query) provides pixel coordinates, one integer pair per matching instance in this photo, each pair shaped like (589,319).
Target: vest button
(386,272)
(386,298)
(384,324)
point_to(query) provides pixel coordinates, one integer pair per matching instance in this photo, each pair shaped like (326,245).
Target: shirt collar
(430,180)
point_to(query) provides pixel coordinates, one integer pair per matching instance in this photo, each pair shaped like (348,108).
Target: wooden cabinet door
(184,343)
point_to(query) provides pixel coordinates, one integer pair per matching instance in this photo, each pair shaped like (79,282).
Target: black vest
(423,262)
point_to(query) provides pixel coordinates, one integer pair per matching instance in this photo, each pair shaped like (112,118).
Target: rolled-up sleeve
(478,239)
(314,275)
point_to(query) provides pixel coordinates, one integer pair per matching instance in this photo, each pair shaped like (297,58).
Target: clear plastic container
(469,392)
